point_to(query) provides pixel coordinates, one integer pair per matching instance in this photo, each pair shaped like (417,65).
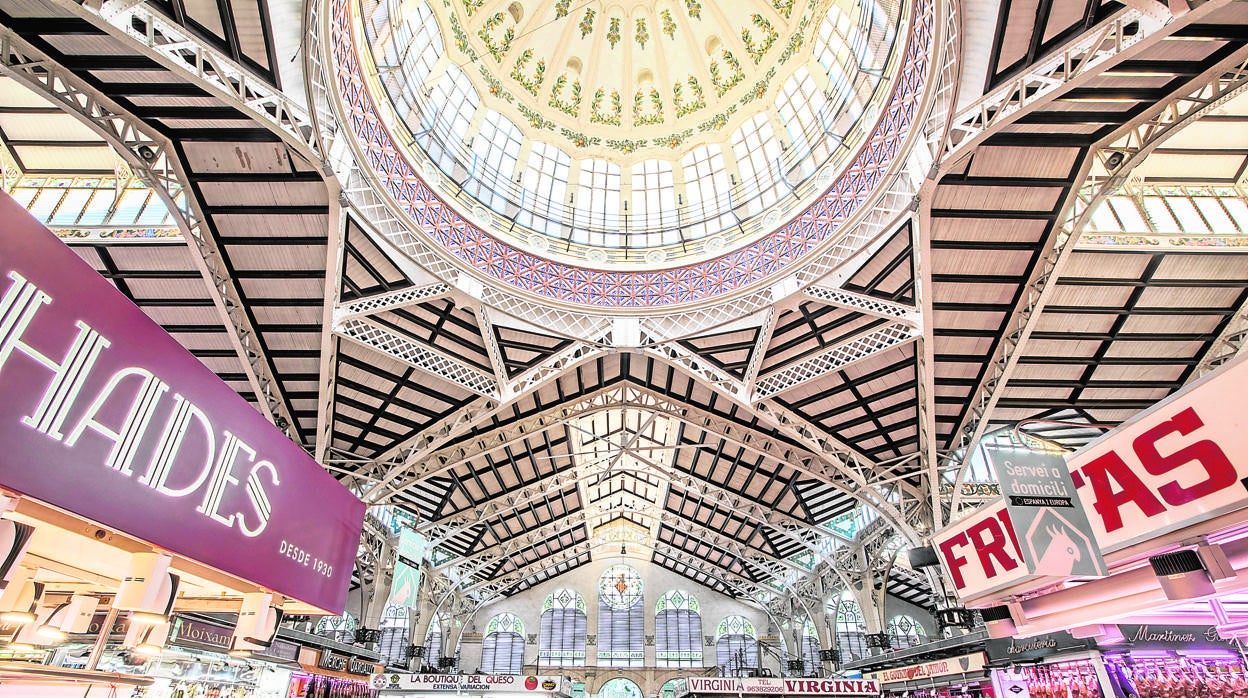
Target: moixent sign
(778,686)
(1178,464)
(107,416)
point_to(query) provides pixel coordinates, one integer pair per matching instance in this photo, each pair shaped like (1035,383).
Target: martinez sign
(1176,465)
(107,416)
(803,687)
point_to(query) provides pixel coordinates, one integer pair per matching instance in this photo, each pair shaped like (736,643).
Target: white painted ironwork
(1038,84)
(1218,86)
(834,358)
(327,376)
(185,54)
(418,355)
(864,303)
(390,301)
(698,366)
(1231,342)
(161,171)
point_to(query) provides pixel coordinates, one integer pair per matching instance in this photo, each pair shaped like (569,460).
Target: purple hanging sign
(107,416)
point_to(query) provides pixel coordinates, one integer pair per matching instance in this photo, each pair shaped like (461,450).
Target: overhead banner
(1180,463)
(405,586)
(1053,532)
(778,686)
(953,666)
(458,683)
(107,416)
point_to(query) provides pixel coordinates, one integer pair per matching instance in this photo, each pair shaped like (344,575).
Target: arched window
(672,688)
(393,644)
(677,630)
(444,124)
(433,644)
(736,647)
(810,650)
(757,151)
(495,152)
(851,631)
(906,631)
(562,634)
(620,618)
(597,204)
(620,688)
(545,187)
(707,190)
(340,628)
(502,649)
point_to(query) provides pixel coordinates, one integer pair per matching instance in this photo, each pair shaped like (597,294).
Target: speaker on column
(20,597)
(148,589)
(14,539)
(257,624)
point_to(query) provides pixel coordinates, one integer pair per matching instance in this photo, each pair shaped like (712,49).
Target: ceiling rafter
(391,300)
(418,355)
(835,358)
(163,173)
(1214,87)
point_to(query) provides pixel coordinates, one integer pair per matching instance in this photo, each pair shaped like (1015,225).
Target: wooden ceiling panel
(986,230)
(1076,322)
(987,263)
(988,198)
(1021,162)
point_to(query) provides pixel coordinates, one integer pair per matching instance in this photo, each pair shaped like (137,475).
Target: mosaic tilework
(566,283)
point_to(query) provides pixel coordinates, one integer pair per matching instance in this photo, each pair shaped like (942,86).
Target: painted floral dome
(597,150)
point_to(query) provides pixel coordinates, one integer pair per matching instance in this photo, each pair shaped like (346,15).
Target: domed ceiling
(637,154)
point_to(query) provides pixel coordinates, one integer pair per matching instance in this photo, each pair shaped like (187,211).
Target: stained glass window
(677,630)
(620,688)
(620,618)
(672,688)
(810,650)
(906,631)
(562,634)
(851,631)
(736,647)
(502,649)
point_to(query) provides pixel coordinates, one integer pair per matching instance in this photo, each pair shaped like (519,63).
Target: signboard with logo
(1053,532)
(1011,649)
(198,634)
(475,683)
(953,666)
(778,686)
(1176,465)
(107,416)
(1179,463)
(1175,637)
(980,553)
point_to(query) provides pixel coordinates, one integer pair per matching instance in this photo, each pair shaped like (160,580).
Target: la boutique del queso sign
(1176,465)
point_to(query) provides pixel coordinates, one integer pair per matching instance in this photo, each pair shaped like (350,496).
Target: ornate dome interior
(637,135)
